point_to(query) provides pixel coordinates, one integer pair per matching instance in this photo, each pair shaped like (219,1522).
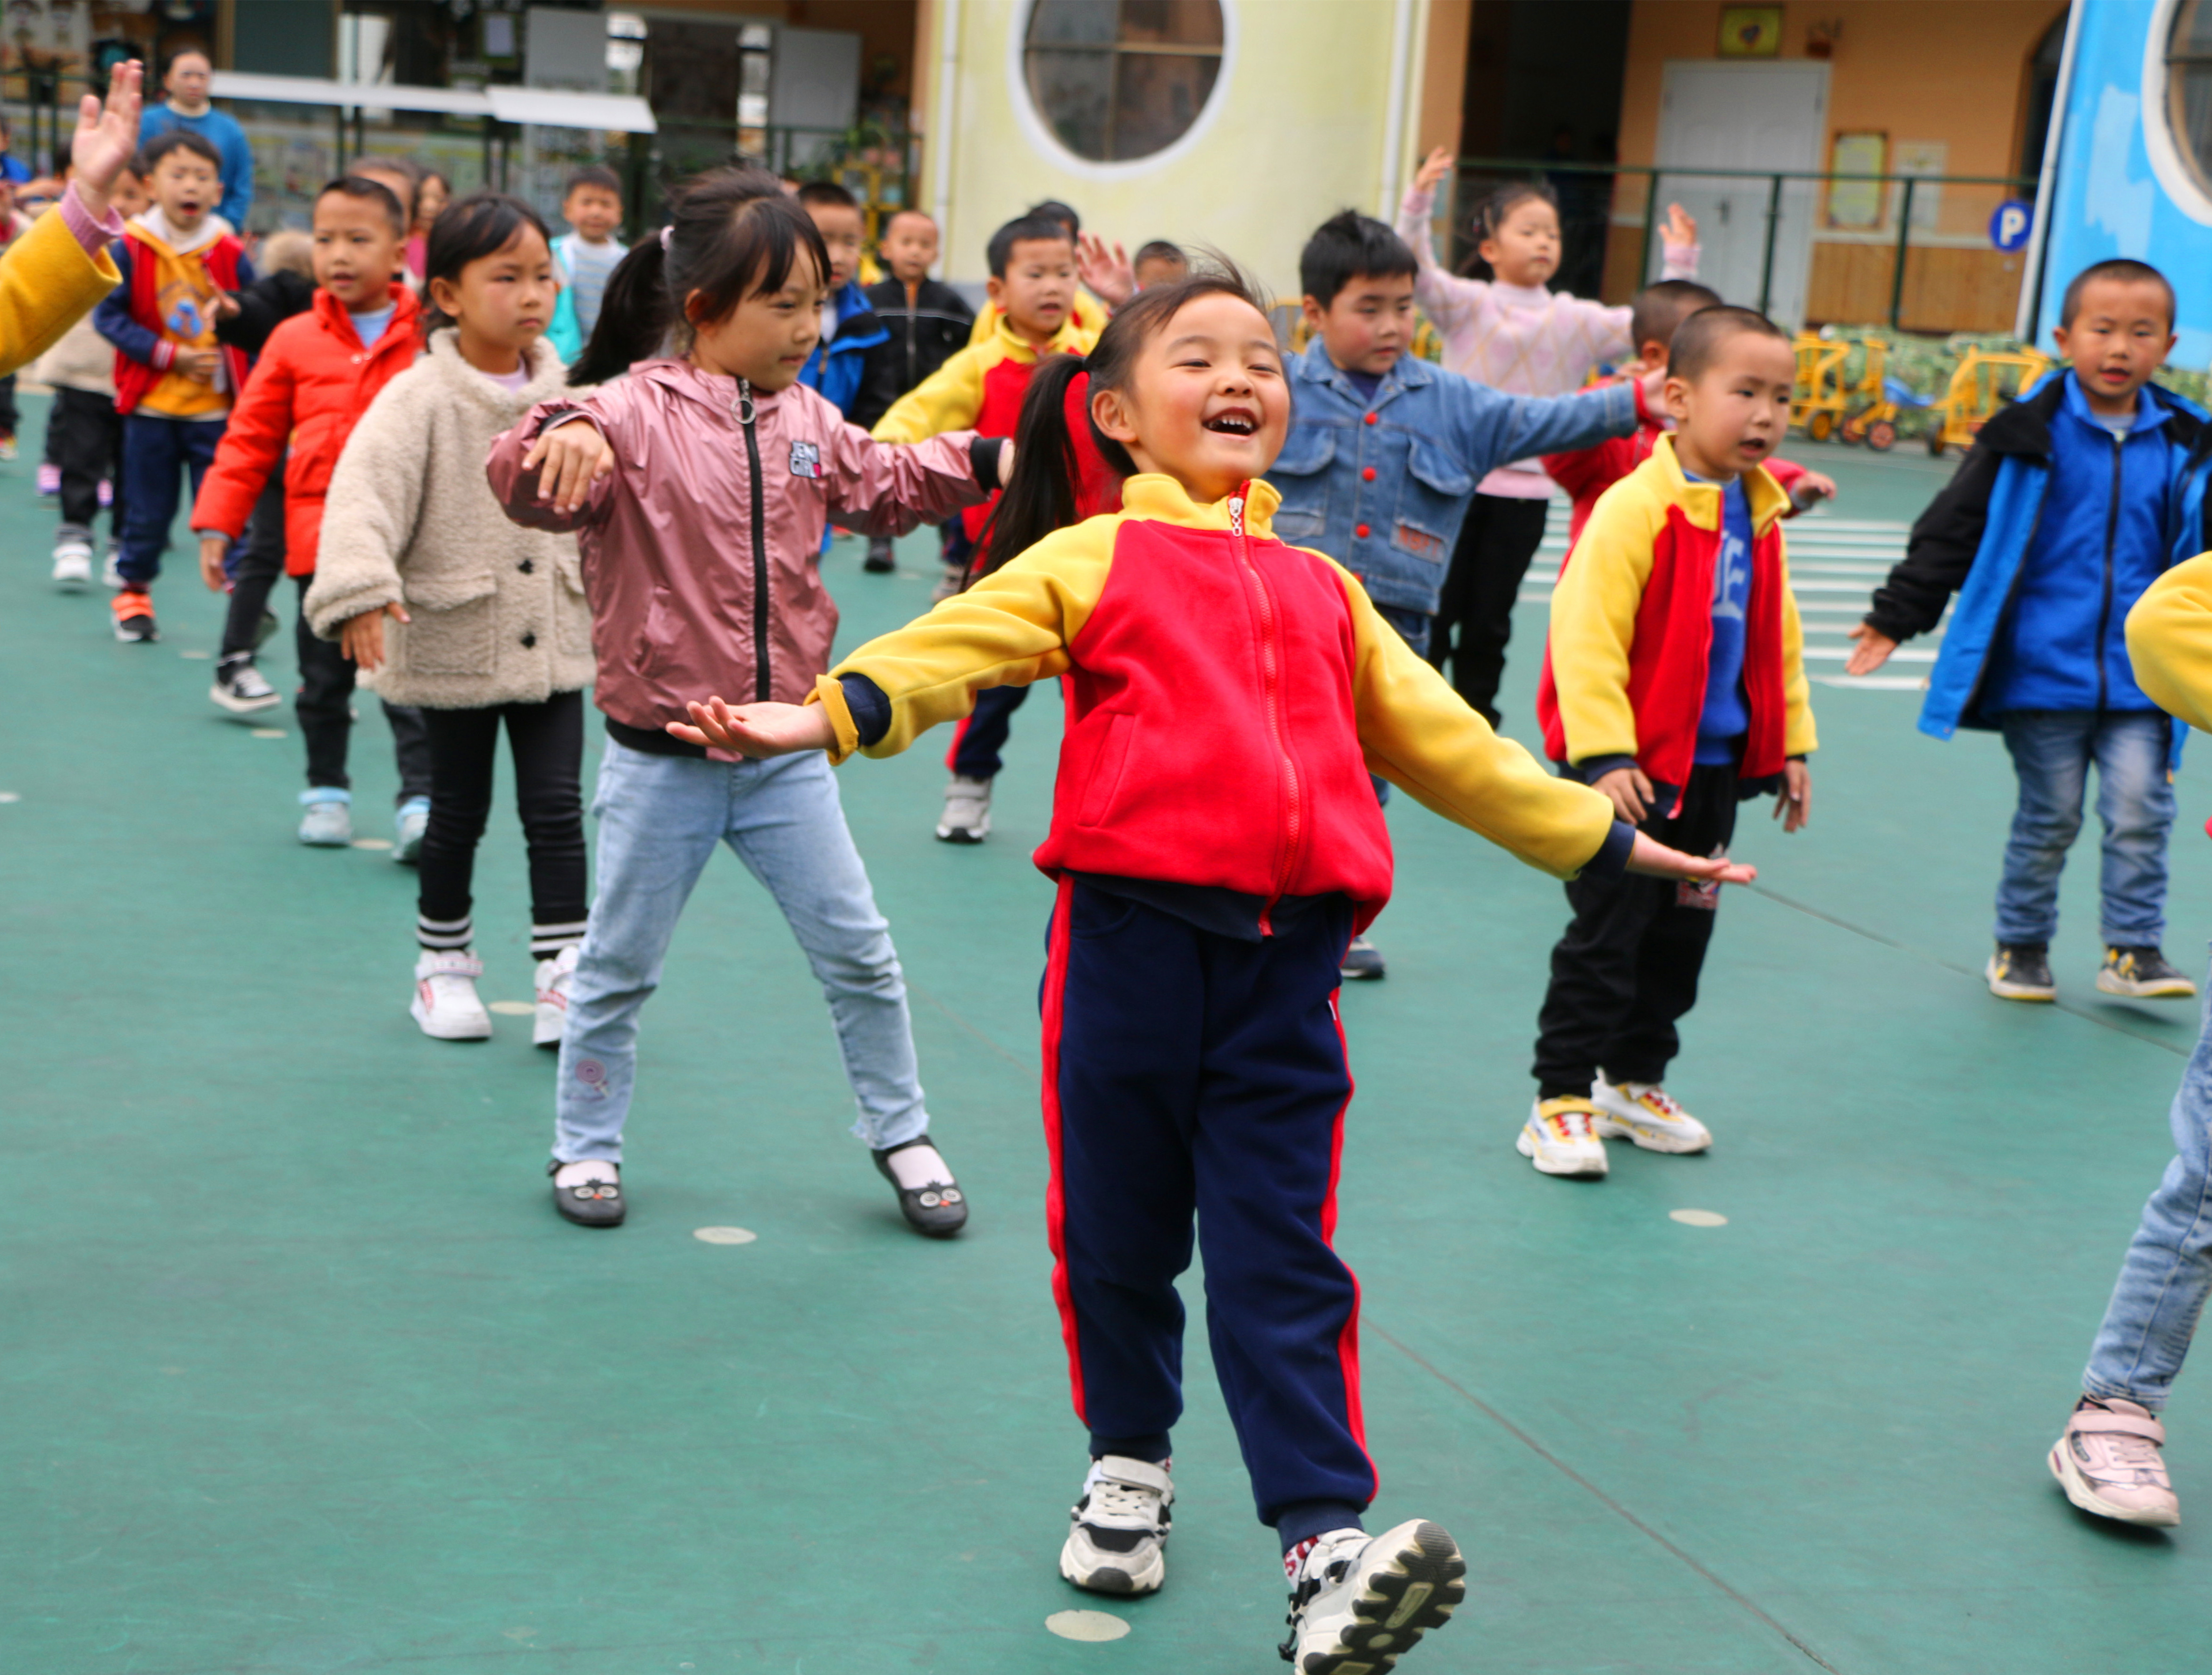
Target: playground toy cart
(1817,403)
(1985,380)
(1875,423)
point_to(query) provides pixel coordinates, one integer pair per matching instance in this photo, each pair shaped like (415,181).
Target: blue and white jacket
(1381,485)
(861,384)
(2049,533)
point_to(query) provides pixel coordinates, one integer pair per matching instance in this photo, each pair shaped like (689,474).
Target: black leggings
(258,561)
(324,707)
(1496,543)
(547,742)
(84,434)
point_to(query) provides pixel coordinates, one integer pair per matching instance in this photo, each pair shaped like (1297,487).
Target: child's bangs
(759,248)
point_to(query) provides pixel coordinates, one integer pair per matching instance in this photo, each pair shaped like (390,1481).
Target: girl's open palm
(1105,269)
(1653,857)
(1682,226)
(1437,165)
(757,730)
(106,136)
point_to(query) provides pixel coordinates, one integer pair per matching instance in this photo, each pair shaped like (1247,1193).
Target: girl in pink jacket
(698,485)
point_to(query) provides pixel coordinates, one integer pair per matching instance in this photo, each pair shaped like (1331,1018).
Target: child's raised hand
(361,638)
(1434,167)
(1809,491)
(106,138)
(574,456)
(1682,227)
(1628,791)
(1105,269)
(1872,650)
(1794,806)
(1654,858)
(212,551)
(757,730)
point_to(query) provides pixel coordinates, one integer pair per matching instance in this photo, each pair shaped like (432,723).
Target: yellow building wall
(1952,71)
(1297,135)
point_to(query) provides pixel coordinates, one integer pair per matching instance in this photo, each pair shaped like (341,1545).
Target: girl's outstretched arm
(1650,856)
(757,730)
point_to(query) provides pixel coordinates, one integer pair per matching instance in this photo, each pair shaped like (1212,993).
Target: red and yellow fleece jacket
(981,387)
(2170,643)
(1632,624)
(1227,698)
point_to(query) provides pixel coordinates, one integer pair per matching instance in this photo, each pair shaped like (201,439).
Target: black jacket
(924,333)
(262,306)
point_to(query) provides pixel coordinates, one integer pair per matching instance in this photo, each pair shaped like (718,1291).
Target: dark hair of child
(1041,499)
(482,224)
(2120,270)
(828,193)
(1029,229)
(1053,209)
(592,174)
(369,191)
(1350,245)
(1496,209)
(175,139)
(169,63)
(735,232)
(1656,312)
(1159,250)
(1697,340)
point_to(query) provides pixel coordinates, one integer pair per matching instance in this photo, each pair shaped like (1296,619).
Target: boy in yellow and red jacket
(1034,295)
(1673,683)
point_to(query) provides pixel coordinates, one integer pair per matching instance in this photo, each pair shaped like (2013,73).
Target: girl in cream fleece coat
(477,620)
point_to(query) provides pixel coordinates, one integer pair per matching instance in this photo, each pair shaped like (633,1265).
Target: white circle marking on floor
(268,732)
(372,842)
(1698,1218)
(196,657)
(11,796)
(510,1009)
(724,1235)
(1086,1625)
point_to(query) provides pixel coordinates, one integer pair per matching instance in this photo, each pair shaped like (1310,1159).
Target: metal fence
(1913,250)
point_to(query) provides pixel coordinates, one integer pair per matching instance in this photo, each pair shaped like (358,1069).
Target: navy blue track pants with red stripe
(982,735)
(1189,1074)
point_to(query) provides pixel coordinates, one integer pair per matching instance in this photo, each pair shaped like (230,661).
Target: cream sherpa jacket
(499,615)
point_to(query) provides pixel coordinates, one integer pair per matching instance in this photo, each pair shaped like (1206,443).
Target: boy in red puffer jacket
(1675,684)
(316,377)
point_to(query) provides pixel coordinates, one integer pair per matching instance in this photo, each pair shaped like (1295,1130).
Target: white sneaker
(109,577)
(239,688)
(73,563)
(327,822)
(967,817)
(445,1002)
(1645,1113)
(1118,1538)
(1560,1139)
(1358,1603)
(554,977)
(409,823)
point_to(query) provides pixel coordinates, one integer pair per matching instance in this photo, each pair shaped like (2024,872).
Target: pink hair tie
(666,234)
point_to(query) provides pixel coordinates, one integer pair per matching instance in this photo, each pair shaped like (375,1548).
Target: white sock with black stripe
(445,935)
(546,941)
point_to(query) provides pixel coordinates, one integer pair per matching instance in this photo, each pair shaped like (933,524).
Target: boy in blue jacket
(2072,503)
(1385,450)
(855,365)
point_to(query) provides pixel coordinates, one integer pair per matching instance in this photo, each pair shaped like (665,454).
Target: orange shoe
(134,617)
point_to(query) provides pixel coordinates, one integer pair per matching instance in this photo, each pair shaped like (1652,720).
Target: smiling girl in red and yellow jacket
(1216,840)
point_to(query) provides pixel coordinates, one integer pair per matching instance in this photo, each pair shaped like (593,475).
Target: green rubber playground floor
(302,1374)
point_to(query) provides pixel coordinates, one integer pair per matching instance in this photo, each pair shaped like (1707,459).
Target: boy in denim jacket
(1385,451)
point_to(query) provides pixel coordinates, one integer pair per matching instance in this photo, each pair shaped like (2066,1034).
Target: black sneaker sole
(1422,1585)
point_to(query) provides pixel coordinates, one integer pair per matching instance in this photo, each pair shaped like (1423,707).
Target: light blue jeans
(659,819)
(2051,750)
(2168,1271)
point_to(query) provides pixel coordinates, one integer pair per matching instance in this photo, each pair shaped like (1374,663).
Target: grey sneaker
(966,816)
(1363,962)
(1359,1603)
(2142,974)
(239,688)
(328,822)
(2020,971)
(881,559)
(1117,1540)
(409,823)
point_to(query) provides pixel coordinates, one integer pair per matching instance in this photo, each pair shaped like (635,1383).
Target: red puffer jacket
(311,386)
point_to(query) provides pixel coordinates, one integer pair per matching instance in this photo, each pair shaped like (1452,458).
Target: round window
(1117,80)
(2189,87)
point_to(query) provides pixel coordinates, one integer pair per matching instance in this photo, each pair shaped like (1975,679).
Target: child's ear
(1488,251)
(1674,396)
(1112,416)
(1653,353)
(995,289)
(1316,316)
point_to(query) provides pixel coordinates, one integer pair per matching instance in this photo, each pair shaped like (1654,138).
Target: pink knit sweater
(1524,339)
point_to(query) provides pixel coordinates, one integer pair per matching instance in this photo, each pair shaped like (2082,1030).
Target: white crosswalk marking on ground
(1835,565)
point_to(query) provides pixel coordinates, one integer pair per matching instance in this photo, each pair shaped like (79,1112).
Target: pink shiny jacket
(702,548)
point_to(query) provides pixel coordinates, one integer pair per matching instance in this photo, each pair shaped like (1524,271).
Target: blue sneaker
(412,820)
(328,822)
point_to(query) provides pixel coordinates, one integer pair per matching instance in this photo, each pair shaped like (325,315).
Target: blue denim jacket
(1382,487)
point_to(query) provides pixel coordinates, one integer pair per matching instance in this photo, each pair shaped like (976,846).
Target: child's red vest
(134,379)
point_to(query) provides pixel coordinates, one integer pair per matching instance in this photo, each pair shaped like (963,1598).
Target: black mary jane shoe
(936,1209)
(590,1204)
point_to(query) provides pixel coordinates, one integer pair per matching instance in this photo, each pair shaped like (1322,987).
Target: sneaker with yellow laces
(1645,1114)
(2142,974)
(1560,1139)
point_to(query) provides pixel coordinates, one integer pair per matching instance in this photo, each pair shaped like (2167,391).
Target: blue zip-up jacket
(862,385)
(2049,533)
(1382,486)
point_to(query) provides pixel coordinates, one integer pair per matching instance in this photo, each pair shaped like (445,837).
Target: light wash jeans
(2168,1271)
(2051,750)
(659,819)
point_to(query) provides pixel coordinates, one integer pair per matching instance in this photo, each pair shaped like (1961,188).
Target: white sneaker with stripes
(445,1002)
(1645,1114)
(554,977)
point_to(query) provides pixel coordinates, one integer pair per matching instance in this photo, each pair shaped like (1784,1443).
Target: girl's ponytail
(1042,496)
(635,316)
